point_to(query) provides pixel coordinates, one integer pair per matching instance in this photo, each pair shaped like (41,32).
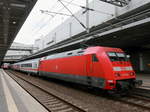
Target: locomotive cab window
(116,56)
(112,56)
(94,58)
(121,56)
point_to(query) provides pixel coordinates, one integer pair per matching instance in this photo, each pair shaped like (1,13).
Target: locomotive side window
(80,52)
(94,58)
(69,54)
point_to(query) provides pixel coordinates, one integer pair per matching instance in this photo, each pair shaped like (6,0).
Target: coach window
(94,58)
(30,64)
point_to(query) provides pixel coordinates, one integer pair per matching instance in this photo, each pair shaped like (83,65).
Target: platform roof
(13,14)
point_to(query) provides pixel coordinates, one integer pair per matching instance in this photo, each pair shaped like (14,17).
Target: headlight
(117,74)
(110,81)
(132,74)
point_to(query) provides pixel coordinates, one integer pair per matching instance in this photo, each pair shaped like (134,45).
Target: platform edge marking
(9,99)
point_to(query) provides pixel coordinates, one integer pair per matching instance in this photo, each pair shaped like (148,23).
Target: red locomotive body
(102,67)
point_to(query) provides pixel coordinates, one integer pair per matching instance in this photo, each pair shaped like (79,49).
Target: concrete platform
(145,78)
(15,99)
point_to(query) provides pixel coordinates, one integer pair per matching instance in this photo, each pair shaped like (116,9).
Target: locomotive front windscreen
(117,56)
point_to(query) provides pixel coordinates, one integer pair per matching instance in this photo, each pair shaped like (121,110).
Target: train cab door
(89,68)
(93,67)
(40,67)
(41,61)
(92,64)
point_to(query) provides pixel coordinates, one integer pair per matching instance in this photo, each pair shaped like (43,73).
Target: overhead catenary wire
(91,9)
(53,15)
(70,3)
(84,7)
(61,8)
(73,15)
(47,12)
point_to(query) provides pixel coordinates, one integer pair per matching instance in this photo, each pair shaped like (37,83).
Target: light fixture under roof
(14,22)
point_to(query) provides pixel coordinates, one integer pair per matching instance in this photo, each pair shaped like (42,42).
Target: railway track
(142,92)
(139,98)
(50,101)
(147,87)
(137,101)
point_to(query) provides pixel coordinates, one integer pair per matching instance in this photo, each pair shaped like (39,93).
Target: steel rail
(71,106)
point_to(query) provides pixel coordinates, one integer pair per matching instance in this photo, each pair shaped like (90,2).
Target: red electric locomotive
(101,67)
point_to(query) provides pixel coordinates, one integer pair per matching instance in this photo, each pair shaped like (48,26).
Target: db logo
(56,67)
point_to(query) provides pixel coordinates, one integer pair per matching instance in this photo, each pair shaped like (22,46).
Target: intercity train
(5,65)
(101,67)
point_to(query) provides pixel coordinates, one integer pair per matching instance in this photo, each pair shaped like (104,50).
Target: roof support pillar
(5,21)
